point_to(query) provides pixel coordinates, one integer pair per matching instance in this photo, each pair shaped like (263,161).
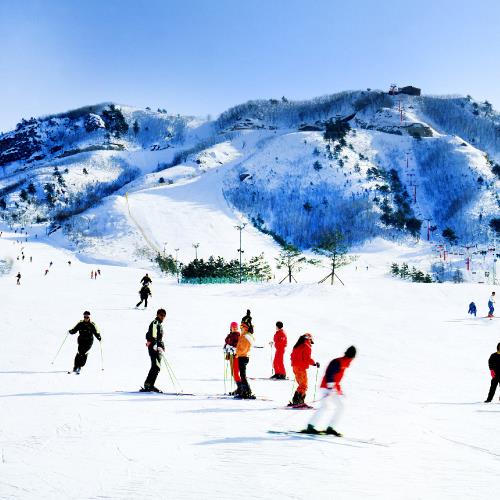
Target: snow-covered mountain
(390,166)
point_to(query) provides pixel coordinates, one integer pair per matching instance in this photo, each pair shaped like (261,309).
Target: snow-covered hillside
(399,165)
(415,426)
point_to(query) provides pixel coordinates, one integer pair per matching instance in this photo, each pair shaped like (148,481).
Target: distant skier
(280,343)
(230,353)
(243,348)
(50,265)
(332,394)
(301,361)
(472,309)
(494,366)
(99,272)
(69,263)
(18,276)
(156,347)
(491,305)
(46,272)
(247,319)
(87,330)
(146,280)
(144,293)
(92,274)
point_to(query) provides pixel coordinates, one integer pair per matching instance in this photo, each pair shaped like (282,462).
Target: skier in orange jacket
(301,361)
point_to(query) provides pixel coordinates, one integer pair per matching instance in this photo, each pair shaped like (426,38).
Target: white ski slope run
(417,387)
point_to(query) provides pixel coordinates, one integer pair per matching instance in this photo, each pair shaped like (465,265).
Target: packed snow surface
(415,424)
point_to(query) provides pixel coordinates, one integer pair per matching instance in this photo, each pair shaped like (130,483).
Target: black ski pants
(84,345)
(155,367)
(242,365)
(493,387)
(143,299)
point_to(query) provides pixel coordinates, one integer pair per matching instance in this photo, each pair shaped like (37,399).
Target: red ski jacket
(232,339)
(335,372)
(301,356)
(280,340)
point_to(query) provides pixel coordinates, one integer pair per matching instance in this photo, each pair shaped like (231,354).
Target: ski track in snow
(414,390)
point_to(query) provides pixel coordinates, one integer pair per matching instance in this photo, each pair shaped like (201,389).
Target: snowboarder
(156,347)
(494,366)
(332,393)
(491,305)
(243,347)
(301,361)
(146,280)
(472,309)
(230,351)
(18,276)
(144,293)
(280,342)
(87,330)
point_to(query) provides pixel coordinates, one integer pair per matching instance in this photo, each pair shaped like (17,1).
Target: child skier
(301,361)
(87,330)
(332,393)
(494,366)
(144,293)
(230,354)
(491,305)
(243,347)
(156,347)
(472,309)
(280,342)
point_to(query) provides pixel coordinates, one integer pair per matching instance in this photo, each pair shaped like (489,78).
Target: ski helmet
(351,352)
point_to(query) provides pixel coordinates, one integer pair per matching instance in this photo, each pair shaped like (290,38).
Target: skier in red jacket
(301,361)
(279,342)
(332,393)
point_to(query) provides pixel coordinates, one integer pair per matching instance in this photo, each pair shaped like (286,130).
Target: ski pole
(271,352)
(293,387)
(59,350)
(102,357)
(316,383)
(225,370)
(171,373)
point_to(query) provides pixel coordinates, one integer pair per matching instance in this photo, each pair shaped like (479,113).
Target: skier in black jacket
(156,347)
(87,331)
(144,293)
(146,280)
(494,366)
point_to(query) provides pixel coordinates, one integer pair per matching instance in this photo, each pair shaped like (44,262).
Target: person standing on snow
(18,276)
(230,353)
(156,347)
(144,293)
(491,305)
(280,342)
(332,394)
(472,309)
(494,366)
(146,280)
(87,330)
(243,347)
(301,361)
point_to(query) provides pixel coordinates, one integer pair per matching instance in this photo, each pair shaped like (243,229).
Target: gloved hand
(70,332)
(160,349)
(493,374)
(271,343)
(317,364)
(99,338)
(338,389)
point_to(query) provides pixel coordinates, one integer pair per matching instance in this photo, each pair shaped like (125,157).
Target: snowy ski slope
(414,393)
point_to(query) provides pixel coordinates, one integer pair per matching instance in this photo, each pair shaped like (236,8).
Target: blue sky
(203,56)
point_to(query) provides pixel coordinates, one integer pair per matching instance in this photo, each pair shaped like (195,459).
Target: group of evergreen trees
(404,272)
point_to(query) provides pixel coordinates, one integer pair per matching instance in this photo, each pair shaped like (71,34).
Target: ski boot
(295,400)
(332,432)
(236,393)
(77,370)
(310,430)
(149,388)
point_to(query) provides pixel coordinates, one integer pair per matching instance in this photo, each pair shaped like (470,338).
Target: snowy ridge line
(143,233)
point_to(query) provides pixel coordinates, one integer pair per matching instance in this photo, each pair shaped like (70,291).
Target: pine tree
(291,259)
(334,247)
